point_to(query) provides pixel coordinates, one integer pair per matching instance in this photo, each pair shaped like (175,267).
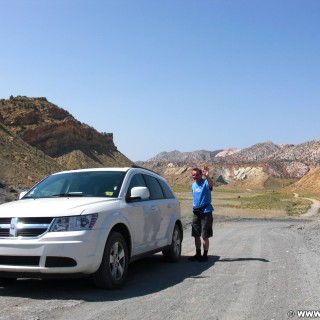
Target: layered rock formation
(58,134)
(38,138)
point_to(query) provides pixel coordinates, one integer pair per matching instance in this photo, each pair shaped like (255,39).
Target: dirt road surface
(258,269)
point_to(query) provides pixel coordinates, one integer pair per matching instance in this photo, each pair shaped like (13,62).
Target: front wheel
(173,254)
(114,265)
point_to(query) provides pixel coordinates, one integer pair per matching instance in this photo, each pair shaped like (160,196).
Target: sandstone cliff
(58,134)
(38,138)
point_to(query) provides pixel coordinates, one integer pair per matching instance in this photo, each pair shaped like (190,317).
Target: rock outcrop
(56,133)
(20,165)
(38,138)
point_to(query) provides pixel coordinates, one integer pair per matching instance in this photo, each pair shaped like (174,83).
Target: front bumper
(53,253)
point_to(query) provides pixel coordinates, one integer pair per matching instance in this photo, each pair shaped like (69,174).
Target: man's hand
(206,171)
(206,174)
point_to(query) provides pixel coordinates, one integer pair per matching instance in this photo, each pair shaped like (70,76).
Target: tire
(114,265)
(173,254)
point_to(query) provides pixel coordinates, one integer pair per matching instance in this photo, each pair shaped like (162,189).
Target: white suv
(89,222)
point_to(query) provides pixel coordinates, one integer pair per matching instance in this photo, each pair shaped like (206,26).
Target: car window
(136,181)
(51,186)
(166,189)
(154,187)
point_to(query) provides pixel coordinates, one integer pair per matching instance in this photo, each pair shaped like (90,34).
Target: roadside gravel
(257,269)
(311,235)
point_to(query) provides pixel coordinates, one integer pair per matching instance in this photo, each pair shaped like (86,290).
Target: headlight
(77,223)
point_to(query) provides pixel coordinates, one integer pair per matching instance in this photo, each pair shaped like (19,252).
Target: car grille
(19,261)
(23,227)
(34,261)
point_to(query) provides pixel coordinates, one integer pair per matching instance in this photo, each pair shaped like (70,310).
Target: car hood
(55,207)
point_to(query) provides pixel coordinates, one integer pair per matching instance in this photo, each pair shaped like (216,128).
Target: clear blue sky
(165,75)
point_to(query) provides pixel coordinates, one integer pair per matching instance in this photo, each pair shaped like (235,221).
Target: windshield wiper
(70,194)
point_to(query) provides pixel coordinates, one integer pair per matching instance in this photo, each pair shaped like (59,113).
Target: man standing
(202,212)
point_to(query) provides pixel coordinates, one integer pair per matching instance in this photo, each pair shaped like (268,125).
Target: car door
(138,212)
(170,208)
(157,220)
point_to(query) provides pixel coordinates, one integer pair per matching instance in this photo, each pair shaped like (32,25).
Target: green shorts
(202,225)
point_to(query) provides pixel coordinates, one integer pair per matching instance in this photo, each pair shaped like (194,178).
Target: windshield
(79,184)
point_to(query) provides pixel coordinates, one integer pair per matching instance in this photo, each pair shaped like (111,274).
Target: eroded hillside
(38,138)
(21,166)
(58,134)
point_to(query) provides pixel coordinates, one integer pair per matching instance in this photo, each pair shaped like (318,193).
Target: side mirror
(139,193)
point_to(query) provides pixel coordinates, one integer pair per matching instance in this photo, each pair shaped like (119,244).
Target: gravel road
(258,269)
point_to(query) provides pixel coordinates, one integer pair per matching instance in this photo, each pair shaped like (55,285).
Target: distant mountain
(308,152)
(266,152)
(258,165)
(227,152)
(282,161)
(259,152)
(185,157)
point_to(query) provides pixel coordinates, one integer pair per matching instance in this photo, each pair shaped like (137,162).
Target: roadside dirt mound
(310,182)
(273,183)
(257,182)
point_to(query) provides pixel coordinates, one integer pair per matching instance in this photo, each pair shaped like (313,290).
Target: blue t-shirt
(201,192)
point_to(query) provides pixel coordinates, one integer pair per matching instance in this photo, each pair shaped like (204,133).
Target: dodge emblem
(13,227)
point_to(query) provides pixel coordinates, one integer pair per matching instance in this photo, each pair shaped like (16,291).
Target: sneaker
(196,257)
(203,259)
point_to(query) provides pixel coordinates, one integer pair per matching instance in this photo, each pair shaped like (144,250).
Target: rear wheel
(114,265)
(173,254)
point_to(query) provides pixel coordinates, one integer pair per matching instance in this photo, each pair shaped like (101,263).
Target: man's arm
(206,174)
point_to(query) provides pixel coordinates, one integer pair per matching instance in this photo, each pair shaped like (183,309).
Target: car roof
(119,169)
(95,170)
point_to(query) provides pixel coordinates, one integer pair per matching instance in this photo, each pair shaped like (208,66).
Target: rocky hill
(178,157)
(282,161)
(38,138)
(308,153)
(58,134)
